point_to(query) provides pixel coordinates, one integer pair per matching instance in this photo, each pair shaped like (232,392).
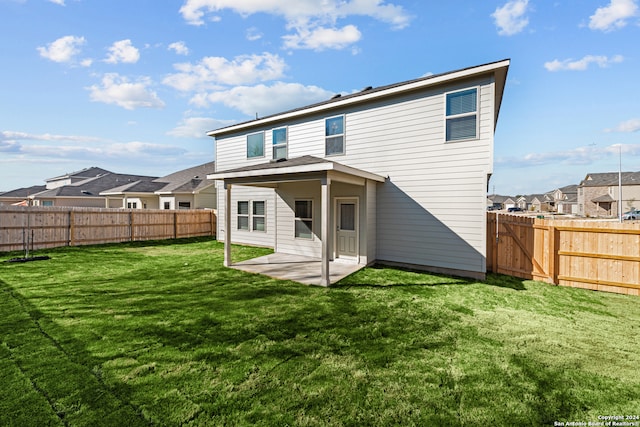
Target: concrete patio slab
(298,268)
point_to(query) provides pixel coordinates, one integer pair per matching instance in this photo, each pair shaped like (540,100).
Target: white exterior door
(346,242)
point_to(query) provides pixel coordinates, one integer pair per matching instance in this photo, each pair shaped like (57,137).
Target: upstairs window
(255,145)
(334,136)
(279,143)
(462,115)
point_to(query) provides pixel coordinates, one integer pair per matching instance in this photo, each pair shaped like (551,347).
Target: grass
(162,334)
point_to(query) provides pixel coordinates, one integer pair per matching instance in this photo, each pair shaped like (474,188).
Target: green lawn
(162,334)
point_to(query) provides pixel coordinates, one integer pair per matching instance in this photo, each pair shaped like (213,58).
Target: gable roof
(187,180)
(91,172)
(498,68)
(610,178)
(190,180)
(92,187)
(24,192)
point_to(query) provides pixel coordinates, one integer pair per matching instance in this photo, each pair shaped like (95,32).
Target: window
(258,216)
(255,145)
(334,135)
(280,143)
(132,205)
(184,205)
(255,217)
(243,216)
(47,203)
(462,115)
(304,219)
(167,205)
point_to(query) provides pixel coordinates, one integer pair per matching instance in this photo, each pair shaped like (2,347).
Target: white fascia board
(448,77)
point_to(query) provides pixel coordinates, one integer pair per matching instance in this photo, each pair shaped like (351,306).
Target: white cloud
(253,34)
(323,38)
(63,49)
(60,2)
(510,18)
(632,125)
(179,47)
(265,100)
(118,90)
(579,156)
(197,127)
(582,64)
(212,71)
(614,15)
(123,51)
(304,16)
(79,147)
(24,136)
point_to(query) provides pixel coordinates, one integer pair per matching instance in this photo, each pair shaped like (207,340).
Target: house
(20,196)
(79,189)
(566,199)
(498,202)
(598,193)
(395,174)
(186,189)
(84,192)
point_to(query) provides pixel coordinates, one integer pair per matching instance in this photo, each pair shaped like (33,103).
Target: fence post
(71,228)
(131,225)
(553,255)
(175,224)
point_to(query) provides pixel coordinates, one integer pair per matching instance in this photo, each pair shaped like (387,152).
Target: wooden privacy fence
(598,255)
(41,227)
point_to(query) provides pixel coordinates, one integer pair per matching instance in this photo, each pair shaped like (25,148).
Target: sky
(132,86)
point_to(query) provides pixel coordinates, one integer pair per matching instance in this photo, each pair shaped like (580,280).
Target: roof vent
(367,88)
(85,192)
(336,96)
(282,159)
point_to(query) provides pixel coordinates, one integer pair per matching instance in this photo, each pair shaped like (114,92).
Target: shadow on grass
(379,276)
(55,373)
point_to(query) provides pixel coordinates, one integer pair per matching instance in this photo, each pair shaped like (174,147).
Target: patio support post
(227,225)
(324,224)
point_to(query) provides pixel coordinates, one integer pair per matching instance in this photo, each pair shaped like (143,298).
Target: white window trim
(296,218)
(250,215)
(247,145)
(344,135)
(285,143)
(457,116)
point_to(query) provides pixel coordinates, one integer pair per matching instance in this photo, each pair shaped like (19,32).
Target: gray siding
(431,210)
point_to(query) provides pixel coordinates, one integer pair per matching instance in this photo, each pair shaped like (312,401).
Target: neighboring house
(598,194)
(523,202)
(185,189)
(498,202)
(86,192)
(20,196)
(566,199)
(395,174)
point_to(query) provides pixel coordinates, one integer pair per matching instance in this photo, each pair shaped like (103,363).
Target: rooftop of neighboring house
(24,192)
(607,179)
(188,180)
(93,186)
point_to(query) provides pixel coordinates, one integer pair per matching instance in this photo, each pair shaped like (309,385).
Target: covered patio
(330,180)
(299,268)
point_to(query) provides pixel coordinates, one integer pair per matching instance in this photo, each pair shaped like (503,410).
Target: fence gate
(517,246)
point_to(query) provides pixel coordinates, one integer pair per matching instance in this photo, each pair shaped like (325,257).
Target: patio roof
(277,170)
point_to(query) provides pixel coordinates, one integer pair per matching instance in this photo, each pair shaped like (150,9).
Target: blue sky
(132,86)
